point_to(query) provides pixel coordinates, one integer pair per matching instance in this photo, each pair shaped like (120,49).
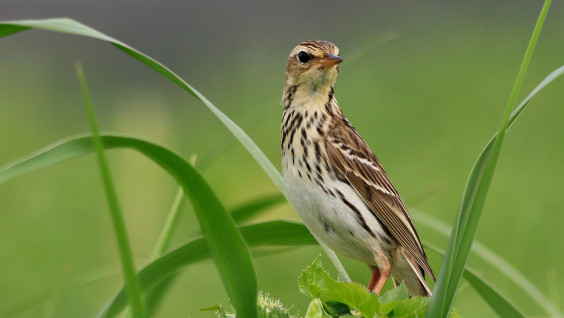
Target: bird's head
(313,65)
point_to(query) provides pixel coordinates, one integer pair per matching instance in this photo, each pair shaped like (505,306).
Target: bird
(335,182)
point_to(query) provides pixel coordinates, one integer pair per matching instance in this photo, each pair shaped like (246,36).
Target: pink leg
(375,277)
(380,273)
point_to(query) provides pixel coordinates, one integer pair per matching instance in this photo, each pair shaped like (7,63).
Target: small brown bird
(334,180)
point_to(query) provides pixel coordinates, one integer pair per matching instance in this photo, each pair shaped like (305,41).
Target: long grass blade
(494,298)
(251,209)
(273,233)
(128,267)
(69,26)
(495,261)
(474,198)
(75,147)
(154,298)
(229,250)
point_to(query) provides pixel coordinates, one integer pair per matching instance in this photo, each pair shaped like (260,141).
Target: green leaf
(412,307)
(393,298)
(312,280)
(398,293)
(353,295)
(316,310)
(474,199)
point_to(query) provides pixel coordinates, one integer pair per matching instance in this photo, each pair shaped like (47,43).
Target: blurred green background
(426,101)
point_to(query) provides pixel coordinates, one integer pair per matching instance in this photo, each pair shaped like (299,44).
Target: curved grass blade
(230,252)
(474,198)
(240,214)
(155,296)
(78,146)
(128,266)
(65,25)
(43,295)
(273,233)
(494,298)
(69,26)
(494,260)
(254,207)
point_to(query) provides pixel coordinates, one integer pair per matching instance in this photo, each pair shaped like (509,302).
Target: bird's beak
(330,60)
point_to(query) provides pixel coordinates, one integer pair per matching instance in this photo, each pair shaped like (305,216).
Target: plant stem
(128,267)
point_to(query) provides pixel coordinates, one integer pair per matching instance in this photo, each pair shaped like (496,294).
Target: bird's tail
(407,270)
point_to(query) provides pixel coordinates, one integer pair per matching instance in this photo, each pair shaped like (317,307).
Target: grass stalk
(171,221)
(128,267)
(465,227)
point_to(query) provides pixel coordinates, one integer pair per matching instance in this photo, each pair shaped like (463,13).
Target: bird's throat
(307,96)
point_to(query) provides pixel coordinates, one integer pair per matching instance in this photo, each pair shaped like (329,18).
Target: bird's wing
(350,154)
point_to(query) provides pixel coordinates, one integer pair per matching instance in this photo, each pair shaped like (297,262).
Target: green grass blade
(495,261)
(242,213)
(65,25)
(155,296)
(128,267)
(165,236)
(273,233)
(473,201)
(253,208)
(229,250)
(494,298)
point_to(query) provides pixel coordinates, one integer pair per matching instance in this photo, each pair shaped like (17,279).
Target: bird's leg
(380,273)
(375,276)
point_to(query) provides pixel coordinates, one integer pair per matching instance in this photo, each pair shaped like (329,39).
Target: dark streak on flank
(359,216)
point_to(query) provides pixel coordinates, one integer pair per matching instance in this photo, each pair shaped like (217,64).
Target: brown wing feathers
(350,154)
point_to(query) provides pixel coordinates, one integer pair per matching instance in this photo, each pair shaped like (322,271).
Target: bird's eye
(303,57)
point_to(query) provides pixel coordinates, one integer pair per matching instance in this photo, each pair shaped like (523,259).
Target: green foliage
(318,285)
(224,240)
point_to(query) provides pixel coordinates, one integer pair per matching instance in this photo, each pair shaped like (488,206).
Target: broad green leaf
(412,308)
(353,295)
(393,298)
(229,250)
(476,191)
(398,293)
(312,280)
(315,310)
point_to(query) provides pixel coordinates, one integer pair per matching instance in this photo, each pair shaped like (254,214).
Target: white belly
(333,221)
